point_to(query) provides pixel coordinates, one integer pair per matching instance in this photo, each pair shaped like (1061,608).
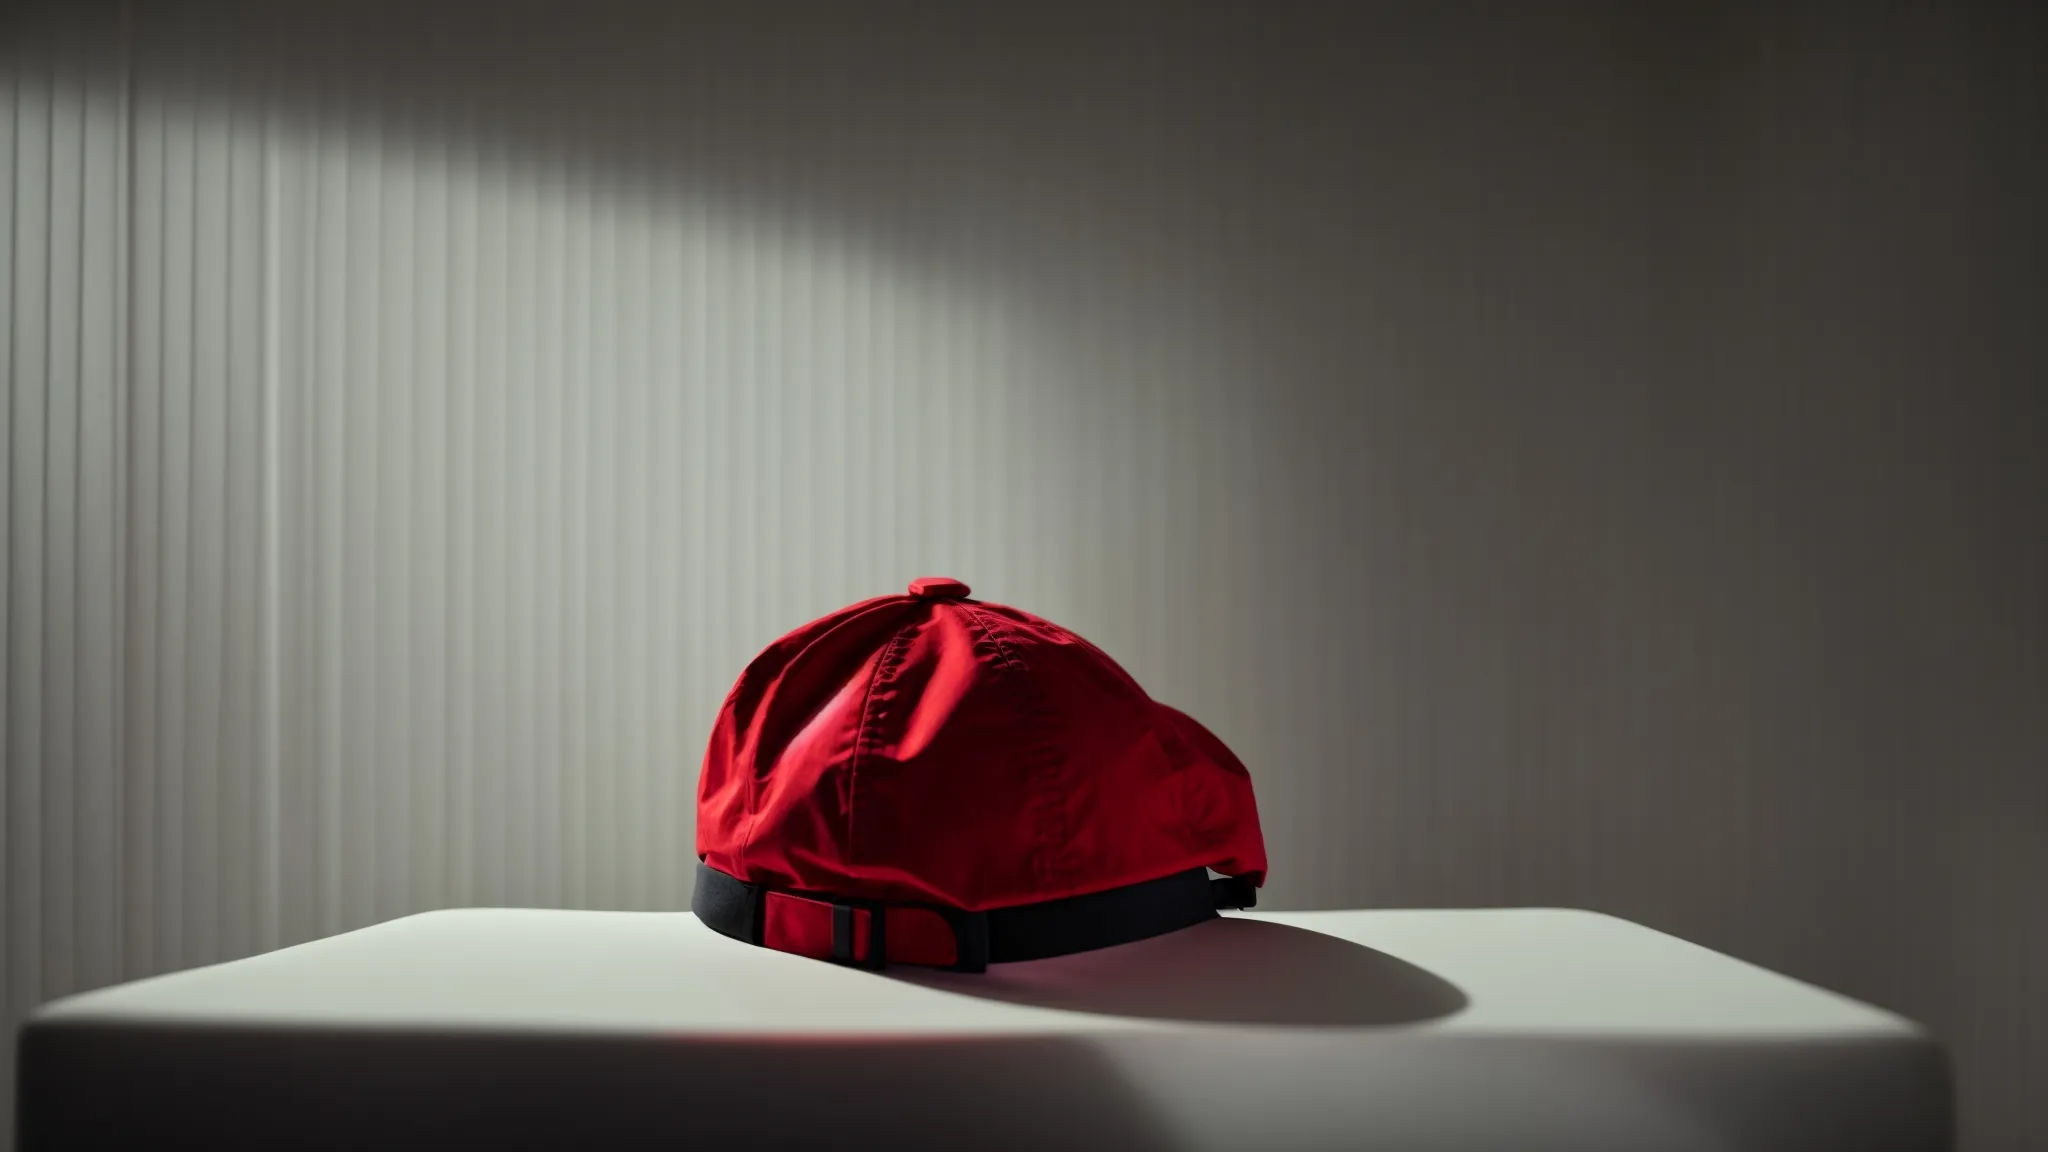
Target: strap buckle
(844,935)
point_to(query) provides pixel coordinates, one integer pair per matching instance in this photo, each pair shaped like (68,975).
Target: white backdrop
(393,507)
(1575,455)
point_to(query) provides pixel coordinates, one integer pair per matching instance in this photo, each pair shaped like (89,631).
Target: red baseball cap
(931,779)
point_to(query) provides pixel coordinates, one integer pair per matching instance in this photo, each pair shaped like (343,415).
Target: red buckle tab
(921,936)
(862,934)
(822,930)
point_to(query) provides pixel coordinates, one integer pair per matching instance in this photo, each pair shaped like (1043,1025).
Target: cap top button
(938,588)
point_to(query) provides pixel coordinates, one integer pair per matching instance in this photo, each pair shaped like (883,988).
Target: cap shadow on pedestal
(1231,970)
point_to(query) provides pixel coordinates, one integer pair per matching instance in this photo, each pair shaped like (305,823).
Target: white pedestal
(1482,1029)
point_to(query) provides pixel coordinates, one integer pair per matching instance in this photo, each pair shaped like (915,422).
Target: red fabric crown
(933,749)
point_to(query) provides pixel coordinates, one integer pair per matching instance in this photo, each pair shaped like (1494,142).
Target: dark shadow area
(327,1088)
(1228,971)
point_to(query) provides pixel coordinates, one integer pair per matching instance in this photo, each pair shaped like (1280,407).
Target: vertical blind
(392,490)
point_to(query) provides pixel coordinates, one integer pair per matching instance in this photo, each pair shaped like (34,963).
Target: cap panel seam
(1003,657)
(838,620)
(1046,758)
(864,736)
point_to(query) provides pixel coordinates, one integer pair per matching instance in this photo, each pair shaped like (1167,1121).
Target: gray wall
(1577,455)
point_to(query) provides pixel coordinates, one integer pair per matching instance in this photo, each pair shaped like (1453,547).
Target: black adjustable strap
(1100,919)
(1028,932)
(1234,892)
(727,905)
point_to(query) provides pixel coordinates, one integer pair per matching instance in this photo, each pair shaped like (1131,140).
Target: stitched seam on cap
(1003,657)
(883,666)
(1048,759)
